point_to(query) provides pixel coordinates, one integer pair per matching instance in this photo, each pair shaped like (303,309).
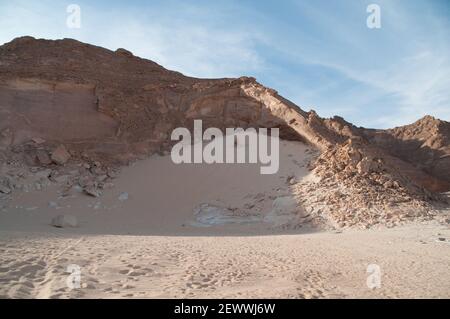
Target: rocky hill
(65,101)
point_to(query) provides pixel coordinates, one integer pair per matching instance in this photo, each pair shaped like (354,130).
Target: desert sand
(315,265)
(208,231)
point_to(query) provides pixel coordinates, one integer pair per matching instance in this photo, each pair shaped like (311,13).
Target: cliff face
(424,144)
(87,95)
(104,101)
(114,106)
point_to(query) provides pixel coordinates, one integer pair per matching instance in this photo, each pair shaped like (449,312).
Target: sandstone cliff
(114,107)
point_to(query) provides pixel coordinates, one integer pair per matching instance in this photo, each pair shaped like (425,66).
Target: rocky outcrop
(112,107)
(360,184)
(424,144)
(63,221)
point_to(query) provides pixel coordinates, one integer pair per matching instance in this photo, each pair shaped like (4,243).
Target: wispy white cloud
(404,66)
(194,47)
(193,50)
(420,84)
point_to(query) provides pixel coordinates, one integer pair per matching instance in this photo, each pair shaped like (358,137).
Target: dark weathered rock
(43,157)
(4,189)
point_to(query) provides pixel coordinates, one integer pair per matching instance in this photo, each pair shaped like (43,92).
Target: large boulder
(43,157)
(365,166)
(60,155)
(62,221)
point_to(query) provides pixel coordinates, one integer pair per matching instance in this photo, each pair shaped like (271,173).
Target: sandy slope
(152,244)
(163,197)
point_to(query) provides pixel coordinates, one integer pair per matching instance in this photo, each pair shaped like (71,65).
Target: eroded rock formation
(65,101)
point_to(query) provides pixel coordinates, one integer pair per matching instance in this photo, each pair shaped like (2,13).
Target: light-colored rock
(92,191)
(44,173)
(291,180)
(38,140)
(78,188)
(62,221)
(52,204)
(388,184)
(86,181)
(365,166)
(60,155)
(123,196)
(208,215)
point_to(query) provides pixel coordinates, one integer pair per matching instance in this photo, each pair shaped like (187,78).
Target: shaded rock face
(114,103)
(117,107)
(419,151)
(424,144)
(52,110)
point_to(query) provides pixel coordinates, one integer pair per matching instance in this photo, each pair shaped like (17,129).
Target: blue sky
(319,54)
